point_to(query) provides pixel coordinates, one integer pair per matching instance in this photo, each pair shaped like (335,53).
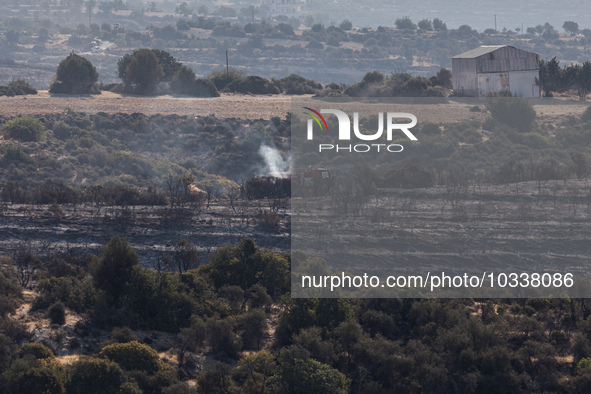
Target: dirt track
(226,106)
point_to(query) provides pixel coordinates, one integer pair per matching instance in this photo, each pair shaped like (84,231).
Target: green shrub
(583,366)
(25,128)
(204,88)
(295,84)
(307,375)
(10,292)
(120,335)
(17,88)
(133,356)
(73,293)
(374,77)
(185,82)
(141,71)
(252,84)
(37,350)
(63,131)
(221,79)
(40,380)
(95,376)
(515,112)
(217,379)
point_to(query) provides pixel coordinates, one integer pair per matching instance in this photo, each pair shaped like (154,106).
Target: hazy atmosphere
(295,196)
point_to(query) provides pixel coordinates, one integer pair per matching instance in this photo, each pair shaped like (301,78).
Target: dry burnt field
(152,231)
(521,227)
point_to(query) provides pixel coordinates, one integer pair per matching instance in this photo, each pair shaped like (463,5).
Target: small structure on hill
(496,69)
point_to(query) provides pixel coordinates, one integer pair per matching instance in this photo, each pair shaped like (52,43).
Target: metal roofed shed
(495,69)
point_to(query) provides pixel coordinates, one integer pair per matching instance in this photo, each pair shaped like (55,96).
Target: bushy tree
(515,112)
(444,78)
(185,82)
(374,77)
(114,270)
(550,76)
(57,313)
(346,25)
(217,379)
(39,380)
(75,75)
(186,256)
(10,292)
(405,23)
(425,24)
(133,356)
(252,84)
(311,376)
(255,372)
(222,78)
(95,376)
(36,350)
(570,27)
(140,71)
(17,88)
(169,64)
(438,24)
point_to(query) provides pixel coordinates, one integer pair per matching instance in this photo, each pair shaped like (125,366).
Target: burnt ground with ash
(520,227)
(46,229)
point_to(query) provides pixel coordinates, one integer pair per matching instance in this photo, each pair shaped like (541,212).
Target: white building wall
(519,83)
(523,83)
(492,83)
(464,77)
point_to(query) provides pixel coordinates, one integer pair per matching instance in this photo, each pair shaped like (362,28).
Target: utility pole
(495,22)
(227,64)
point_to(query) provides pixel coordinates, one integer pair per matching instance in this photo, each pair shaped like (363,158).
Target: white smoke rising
(275,165)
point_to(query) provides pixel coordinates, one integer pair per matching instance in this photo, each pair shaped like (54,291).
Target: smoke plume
(275,165)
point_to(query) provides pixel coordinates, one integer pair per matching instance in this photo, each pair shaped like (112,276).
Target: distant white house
(495,69)
(285,7)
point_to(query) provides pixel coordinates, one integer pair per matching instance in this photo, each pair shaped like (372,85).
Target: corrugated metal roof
(482,50)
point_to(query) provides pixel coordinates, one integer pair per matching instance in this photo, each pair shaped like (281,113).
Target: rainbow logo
(313,115)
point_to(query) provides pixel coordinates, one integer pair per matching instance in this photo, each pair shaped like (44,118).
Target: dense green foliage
(184,82)
(133,356)
(221,79)
(252,84)
(25,128)
(115,269)
(320,345)
(127,159)
(17,88)
(515,112)
(95,375)
(140,71)
(555,79)
(154,71)
(375,84)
